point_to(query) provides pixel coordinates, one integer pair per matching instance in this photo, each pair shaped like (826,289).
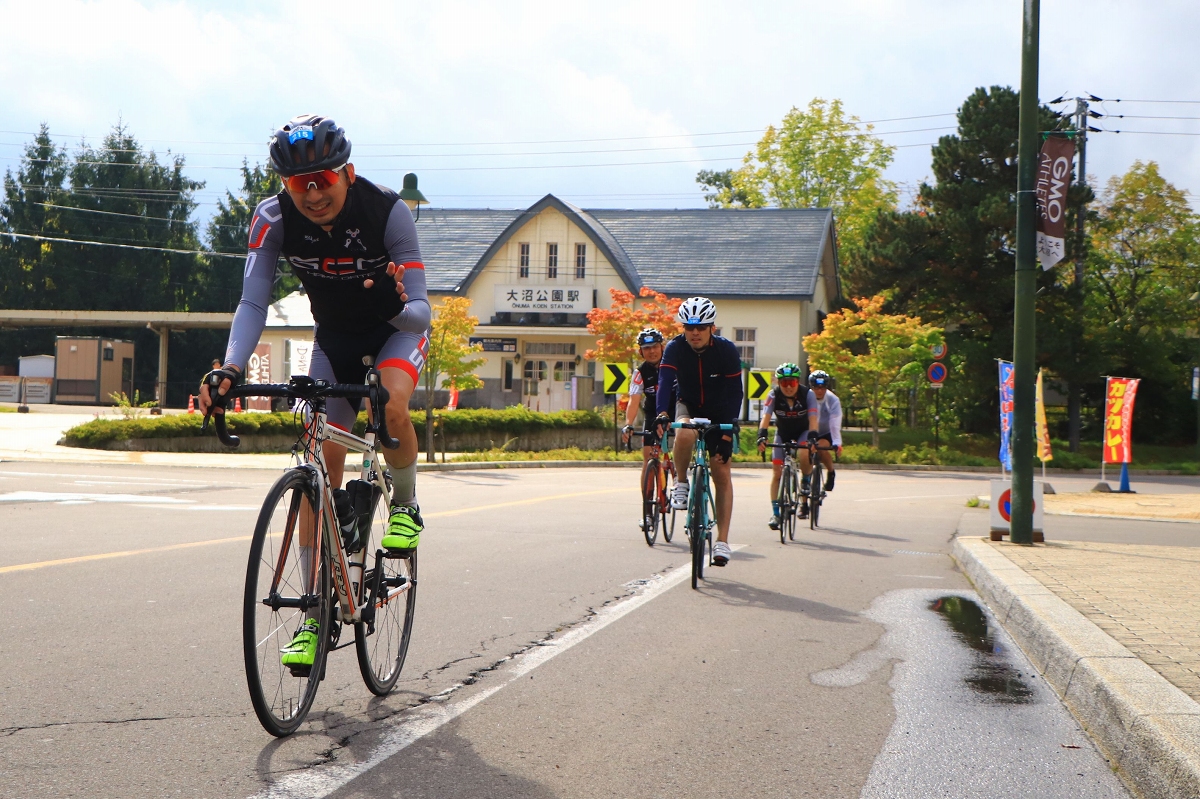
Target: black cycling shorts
(338,357)
(718,442)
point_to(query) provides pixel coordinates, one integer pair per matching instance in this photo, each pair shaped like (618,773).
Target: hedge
(511,421)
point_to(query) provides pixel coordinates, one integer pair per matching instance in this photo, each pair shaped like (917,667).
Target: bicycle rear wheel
(270,618)
(650,508)
(814,495)
(382,641)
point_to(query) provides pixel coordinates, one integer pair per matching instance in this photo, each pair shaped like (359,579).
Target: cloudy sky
(604,104)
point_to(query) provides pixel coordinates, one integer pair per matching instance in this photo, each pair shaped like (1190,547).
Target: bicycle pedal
(300,671)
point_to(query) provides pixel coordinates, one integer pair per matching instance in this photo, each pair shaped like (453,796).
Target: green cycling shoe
(404,529)
(302,651)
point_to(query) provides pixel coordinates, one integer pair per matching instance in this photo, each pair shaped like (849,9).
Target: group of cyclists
(698,374)
(354,247)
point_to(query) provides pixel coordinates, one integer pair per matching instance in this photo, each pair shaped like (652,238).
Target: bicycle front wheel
(814,496)
(382,642)
(784,499)
(664,499)
(698,523)
(650,508)
(280,595)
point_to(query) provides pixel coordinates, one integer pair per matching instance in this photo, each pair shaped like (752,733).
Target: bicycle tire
(650,508)
(668,472)
(783,499)
(814,496)
(793,505)
(281,704)
(697,523)
(382,645)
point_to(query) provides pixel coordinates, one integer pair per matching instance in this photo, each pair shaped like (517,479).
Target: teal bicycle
(702,506)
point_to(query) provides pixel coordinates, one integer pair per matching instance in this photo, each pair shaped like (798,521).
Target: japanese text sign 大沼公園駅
(1006,413)
(759,384)
(539,299)
(616,377)
(1119,394)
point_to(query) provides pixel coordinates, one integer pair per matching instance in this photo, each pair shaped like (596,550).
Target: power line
(132,216)
(122,246)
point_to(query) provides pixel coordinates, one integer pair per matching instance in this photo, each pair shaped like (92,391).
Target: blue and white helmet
(697,311)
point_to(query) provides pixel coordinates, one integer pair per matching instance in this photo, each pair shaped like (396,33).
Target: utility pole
(1024,334)
(1074,390)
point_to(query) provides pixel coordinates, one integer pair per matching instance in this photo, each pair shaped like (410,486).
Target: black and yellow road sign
(616,377)
(759,384)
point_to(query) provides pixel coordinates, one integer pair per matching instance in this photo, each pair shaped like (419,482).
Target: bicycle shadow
(742,595)
(871,553)
(860,534)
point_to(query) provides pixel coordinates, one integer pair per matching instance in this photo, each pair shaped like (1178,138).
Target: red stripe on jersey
(413,265)
(256,242)
(403,365)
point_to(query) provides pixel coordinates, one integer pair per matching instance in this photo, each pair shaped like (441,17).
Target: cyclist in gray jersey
(829,425)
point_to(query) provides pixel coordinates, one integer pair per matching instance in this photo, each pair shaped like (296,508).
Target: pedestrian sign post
(758,384)
(937,376)
(1000,509)
(616,377)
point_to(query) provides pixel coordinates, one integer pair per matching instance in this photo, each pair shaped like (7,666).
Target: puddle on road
(991,674)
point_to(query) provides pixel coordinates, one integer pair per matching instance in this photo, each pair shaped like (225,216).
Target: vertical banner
(1053,178)
(1119,393)
(1006,414)
(258,370)
(1043,431)
(299,355)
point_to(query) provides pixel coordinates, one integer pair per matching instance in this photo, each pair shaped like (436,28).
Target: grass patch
(570,454)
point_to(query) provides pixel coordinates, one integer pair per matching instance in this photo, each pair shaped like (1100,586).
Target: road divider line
(20,567)
(130,552)
(321,781)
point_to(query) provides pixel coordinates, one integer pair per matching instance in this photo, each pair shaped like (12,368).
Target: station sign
(491,344)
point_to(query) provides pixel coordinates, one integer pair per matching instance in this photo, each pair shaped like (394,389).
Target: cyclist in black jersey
(354,247)
(644,384)
(795,417)
(706,370)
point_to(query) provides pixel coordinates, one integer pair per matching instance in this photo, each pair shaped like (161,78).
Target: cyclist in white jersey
(829,425)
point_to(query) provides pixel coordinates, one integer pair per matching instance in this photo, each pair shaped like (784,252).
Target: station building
(532,275)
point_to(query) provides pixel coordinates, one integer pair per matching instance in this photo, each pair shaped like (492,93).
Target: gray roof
(713,251)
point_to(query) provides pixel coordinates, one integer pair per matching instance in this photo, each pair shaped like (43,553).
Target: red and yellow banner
(1119,394)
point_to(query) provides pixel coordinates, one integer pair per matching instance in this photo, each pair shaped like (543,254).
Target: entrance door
(533,385)
(127,376)
(559,388)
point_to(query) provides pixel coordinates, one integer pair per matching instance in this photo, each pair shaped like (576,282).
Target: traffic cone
(237,405)
(191,403)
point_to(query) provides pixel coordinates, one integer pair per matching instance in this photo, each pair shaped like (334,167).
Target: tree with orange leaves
(618,326)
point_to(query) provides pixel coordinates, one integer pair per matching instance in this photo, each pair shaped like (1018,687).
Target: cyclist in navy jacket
(703,371)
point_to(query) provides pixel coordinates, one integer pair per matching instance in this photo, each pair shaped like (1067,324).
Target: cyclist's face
(820,391)
(698,336)
(789,386)
(321,206)
(652,353)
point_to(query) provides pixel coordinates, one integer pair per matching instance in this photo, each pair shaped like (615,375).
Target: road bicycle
(657,476)
(789,491)
(310,559)
(816,484)
(702,508)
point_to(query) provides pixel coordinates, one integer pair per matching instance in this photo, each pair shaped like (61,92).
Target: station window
(744,338)
(548,348)
(523,259)
(580,260)
(552,261)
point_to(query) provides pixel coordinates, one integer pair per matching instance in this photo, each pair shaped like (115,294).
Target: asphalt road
(554,655)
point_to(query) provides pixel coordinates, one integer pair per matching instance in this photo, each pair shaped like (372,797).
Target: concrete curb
(1145,725)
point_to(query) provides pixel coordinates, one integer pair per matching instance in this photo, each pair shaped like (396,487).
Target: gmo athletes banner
(1119,394)
(1006,414)
(1053,178)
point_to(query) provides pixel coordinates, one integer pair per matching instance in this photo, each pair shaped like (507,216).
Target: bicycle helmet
(820,379)
(309,143)
(649,337)
(697,311)
(787,370)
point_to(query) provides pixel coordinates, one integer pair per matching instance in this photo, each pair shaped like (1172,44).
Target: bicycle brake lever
(227,438)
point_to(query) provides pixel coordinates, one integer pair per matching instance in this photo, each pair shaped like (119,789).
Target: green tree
(871,352)
(449,356)
(817,158)
(951,259)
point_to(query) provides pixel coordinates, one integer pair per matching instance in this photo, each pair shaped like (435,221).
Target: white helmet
(697,311)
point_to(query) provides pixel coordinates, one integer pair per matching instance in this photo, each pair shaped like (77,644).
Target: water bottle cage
(363,497)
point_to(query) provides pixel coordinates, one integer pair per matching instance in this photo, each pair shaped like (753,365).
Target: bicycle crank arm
(275,601)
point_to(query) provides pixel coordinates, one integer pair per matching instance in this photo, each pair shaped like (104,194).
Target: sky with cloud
(614,104)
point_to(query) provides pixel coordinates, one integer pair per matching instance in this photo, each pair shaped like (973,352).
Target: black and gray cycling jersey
(373,228)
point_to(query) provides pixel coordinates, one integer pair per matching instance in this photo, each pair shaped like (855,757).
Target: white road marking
(321,781)
(63,497)
(200,507)
(912,496)
(93,477)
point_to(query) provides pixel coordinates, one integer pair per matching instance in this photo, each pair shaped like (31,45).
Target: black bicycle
(789,492)
(657,476)
(816,484)
(307,562)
